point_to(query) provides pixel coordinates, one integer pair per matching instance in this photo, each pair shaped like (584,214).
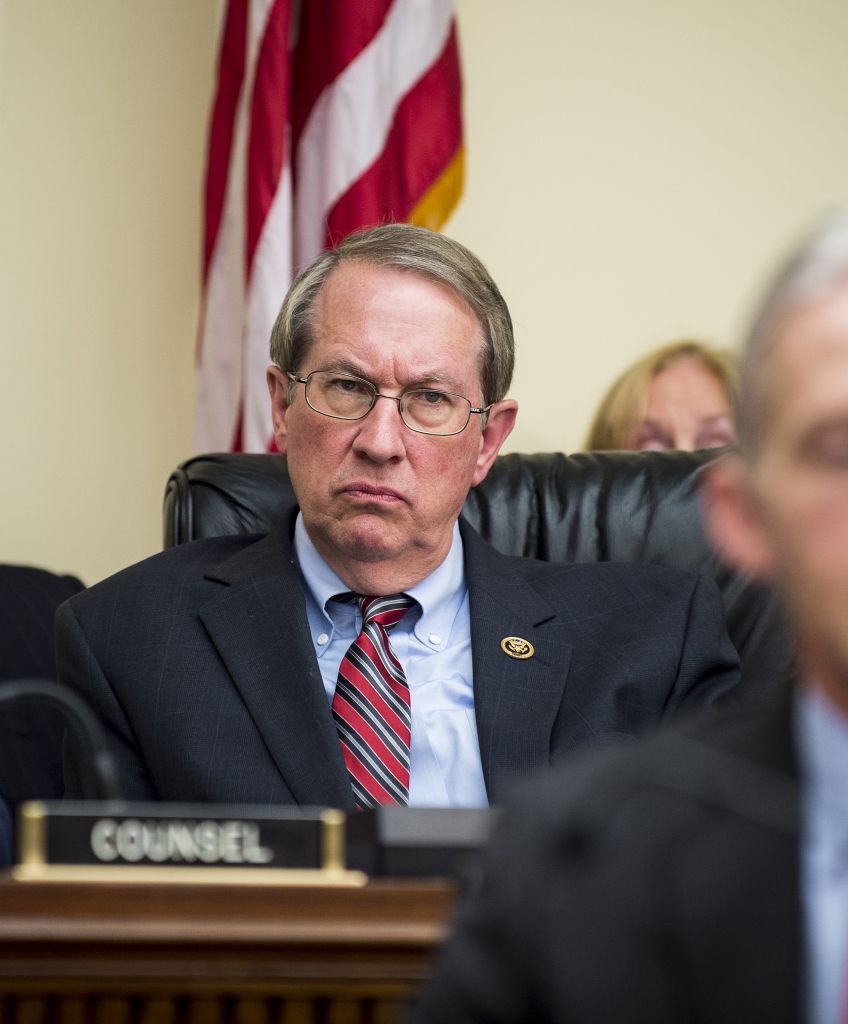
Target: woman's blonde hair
(623,406)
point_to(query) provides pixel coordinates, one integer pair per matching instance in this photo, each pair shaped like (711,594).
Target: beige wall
(632,170)
(103,107)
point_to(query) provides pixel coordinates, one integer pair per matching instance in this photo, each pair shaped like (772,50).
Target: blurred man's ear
(732,518)
(278,389)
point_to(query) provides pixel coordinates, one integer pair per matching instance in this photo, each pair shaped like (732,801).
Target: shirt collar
(823,742)
(439,595)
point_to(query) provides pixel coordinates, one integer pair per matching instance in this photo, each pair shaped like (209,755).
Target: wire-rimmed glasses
(344,396)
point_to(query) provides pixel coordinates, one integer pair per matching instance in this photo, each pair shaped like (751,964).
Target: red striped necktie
(371,705)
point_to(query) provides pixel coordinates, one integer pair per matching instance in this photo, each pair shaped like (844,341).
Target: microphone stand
(74,709)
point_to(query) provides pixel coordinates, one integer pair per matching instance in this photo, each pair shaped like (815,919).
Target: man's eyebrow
(831,425)
(442,379)
(424,380)
(343,366)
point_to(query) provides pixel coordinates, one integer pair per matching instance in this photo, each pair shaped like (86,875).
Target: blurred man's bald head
(816,268)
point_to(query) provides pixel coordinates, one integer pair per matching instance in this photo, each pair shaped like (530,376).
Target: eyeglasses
(344,396)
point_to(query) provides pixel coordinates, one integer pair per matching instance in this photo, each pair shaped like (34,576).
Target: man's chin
(369,538)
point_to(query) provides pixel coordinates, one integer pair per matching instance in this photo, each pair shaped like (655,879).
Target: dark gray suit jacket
(653,883)
(200,663)
(30,732)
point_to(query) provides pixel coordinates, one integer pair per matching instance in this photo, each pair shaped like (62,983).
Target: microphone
(76,712)
(97,837)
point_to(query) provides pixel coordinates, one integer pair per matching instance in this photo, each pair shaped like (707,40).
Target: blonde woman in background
(682,396)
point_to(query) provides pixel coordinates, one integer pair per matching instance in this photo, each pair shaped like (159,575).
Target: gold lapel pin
(517,647)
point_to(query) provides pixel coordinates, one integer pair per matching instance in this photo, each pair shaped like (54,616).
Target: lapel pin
(517,647)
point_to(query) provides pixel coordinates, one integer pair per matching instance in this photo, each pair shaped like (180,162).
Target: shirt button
(434,639)
(322,638)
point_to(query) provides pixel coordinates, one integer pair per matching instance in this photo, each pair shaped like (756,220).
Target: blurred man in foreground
(703,875)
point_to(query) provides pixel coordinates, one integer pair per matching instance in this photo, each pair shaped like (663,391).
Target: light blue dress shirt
(822,739)
(433,643)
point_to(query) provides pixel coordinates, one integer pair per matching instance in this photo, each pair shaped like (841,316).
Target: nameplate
(418,842)
(182,842)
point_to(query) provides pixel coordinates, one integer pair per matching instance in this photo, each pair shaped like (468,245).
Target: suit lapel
(259,627)
(516,700)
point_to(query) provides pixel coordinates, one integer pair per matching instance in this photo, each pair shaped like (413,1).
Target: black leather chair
(605,506)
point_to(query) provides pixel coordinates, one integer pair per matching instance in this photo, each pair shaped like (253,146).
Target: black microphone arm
(76,711)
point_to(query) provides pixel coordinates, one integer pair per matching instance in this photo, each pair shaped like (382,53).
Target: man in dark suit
(30,732)
(369,650)
(703,874)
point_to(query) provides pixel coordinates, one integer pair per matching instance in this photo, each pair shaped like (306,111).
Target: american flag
(329,116)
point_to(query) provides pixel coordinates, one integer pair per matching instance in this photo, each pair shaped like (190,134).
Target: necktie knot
(382,611)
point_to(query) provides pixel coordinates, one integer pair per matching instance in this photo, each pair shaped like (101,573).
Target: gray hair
(814,269)
(420,251)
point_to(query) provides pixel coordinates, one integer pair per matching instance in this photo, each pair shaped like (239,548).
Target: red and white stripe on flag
(329,116)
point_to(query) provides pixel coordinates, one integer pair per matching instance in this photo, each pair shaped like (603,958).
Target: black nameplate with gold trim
(190,842)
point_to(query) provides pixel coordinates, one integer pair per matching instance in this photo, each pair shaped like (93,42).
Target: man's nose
(381,433)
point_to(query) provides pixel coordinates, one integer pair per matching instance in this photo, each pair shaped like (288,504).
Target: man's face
(378,500)
(797,485)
